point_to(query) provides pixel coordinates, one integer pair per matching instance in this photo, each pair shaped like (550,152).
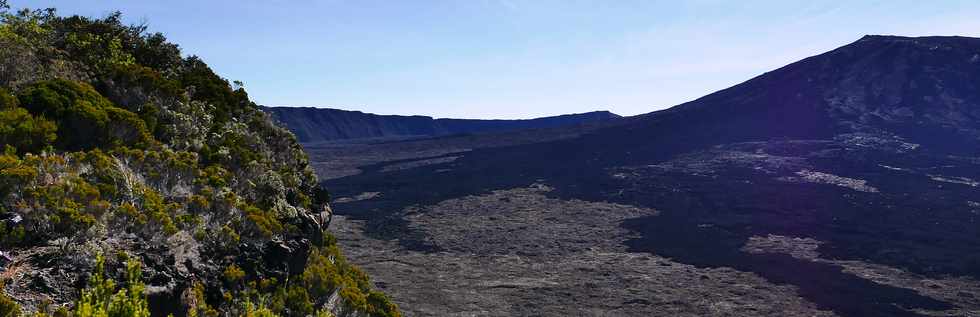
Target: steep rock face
(320,124)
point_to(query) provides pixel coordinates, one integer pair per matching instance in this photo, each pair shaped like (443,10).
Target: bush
(234,275)
(298,301)
(126,129)
(380,305)
(141,90)
(327,270)
(159,211)
(148,80)
(97,43)
(200,307)
(23,131)
(101,298)
(211,88)
(7,100)
(8,307)
(89,120)
(69,207)
(262,222)
(154,51)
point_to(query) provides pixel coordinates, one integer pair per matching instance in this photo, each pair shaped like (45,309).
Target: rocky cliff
(322,124)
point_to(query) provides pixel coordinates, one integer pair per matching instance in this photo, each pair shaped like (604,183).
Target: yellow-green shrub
(102,299)
(87,119)
(27,133)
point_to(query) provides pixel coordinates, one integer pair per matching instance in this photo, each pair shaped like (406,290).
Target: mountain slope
(851,176)
(321,124)
(923,89)
(125,161)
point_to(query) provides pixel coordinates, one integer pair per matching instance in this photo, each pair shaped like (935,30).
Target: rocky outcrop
(147,168)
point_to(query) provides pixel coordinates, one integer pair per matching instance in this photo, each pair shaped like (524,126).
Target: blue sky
(512,58)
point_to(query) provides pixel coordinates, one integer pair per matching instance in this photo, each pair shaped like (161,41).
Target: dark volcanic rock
(870,154)
(322,124)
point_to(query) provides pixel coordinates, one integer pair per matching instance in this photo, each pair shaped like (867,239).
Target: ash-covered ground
(845,183)
(445,242)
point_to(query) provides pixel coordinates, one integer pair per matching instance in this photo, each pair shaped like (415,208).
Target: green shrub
(140,89)
(148,80)
(298,301)
(88,119)
(11,235)
(101,298)
(8,307)
(154,51)
(7,100)
(327,270)
(211,88)
(234,275)
(27,133)
(200,307)
(17,173)
(104,172)
(97,43)
(321,276)
(160,211)
(126,129)
(263,222)
(71,206)
(214,176)
(252,310)
(380,305)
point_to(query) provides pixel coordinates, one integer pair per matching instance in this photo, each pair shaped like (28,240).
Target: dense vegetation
(115,143)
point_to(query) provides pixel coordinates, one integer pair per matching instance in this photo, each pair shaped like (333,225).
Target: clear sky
(512,58)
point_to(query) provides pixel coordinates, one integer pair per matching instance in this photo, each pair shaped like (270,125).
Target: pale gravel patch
(962,292)
(954,180)
(899,169)
(808,176)
(800,248)
(358,197)
(418,163)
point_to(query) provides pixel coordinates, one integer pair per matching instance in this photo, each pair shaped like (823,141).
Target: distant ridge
(325,124)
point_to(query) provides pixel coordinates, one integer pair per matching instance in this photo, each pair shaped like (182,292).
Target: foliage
(252,310)
(89,119)
(25,132)
(234,274)
(27,53)
(262,222)
(154,51)
(327,270)
(102,299)
(7,100)
(200,307)
(8,307)
(211,88)
(97,43)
